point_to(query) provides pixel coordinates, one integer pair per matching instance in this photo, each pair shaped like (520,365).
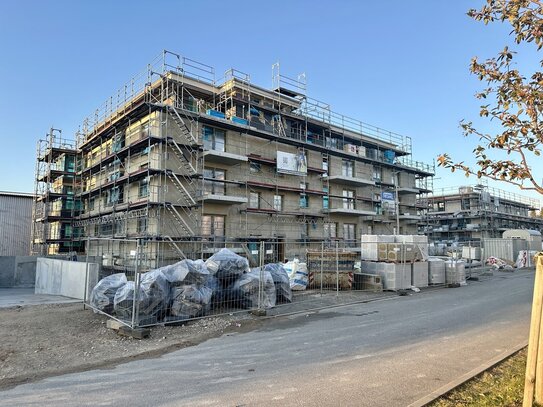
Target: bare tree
(514,101)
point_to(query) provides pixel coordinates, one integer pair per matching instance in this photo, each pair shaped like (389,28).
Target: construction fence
(146,282)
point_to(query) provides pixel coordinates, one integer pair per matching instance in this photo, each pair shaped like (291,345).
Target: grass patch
(503,385)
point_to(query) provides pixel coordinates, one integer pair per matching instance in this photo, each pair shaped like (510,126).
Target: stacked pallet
(331,269)
(401,260)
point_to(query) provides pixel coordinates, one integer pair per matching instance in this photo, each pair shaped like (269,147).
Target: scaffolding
(469,213)
(54,206)
(174,153)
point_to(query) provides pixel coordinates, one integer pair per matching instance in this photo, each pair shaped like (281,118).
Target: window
(349,232)
(67,230)
(117,143)
(212,187)
(278,203)
(213,138)
(441,206)
(465,204)
(330,230)
(348,199)
(106,229)
(113,196)
(254,167)
(143,188)
(304,200)
(213,225)
(119,227)
(141,227)
(91,204)
(325,199)
(347,168)
(325,165)
(254,200)
(377,174)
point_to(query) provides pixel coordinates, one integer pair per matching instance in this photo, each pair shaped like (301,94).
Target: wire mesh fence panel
(145,282)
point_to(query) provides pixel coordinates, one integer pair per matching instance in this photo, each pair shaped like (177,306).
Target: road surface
(384,353)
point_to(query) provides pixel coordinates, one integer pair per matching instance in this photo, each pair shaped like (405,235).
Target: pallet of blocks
(328,269)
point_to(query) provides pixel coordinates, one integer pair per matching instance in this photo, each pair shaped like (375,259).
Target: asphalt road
(385,353)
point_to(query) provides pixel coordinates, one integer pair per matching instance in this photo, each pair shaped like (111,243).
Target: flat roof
(19,194)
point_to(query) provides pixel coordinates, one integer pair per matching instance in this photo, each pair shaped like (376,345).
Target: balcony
(351,181)
(408,190)
(349,211)
(222,199)
(222,157)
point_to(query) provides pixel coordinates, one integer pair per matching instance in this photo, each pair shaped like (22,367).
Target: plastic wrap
(283,293)
(185,272)
(190,301)
(153,298)
(227,266)
(103,293)
(297,274)
(245,290)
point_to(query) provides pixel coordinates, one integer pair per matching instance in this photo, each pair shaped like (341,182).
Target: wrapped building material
(419,274)
(369,245)
(455,272)
(190,301)
(186,272)
(436,271)
(395,276)
(297,274)
(227,266)
(245,291)
(103,293)
(152,298)
(420,242)
(283,293)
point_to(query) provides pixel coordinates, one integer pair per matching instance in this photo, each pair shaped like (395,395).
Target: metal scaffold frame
(150,135)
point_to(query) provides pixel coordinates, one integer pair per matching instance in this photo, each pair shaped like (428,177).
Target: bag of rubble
(190,301)
(245,291)
(227,266)
(185,272)
(103,293)
(283,293)
(153,298)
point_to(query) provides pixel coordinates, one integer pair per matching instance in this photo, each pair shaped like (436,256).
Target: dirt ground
(47,340)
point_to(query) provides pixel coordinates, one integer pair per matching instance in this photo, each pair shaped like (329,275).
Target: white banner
(294,164)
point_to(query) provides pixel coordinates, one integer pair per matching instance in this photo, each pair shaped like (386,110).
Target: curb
(467,376)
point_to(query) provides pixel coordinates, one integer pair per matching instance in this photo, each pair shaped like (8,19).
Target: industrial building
(176,155)
(15,223)
(472,213)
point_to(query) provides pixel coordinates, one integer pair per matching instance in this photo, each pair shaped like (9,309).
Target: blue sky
(398,65)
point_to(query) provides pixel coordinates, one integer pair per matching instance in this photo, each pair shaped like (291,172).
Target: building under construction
(176,155)
(470,213)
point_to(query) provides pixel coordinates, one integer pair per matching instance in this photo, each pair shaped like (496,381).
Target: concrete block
(419,274)
(136,333)
(436,271)
(114,324)
(67,278)
(394,276)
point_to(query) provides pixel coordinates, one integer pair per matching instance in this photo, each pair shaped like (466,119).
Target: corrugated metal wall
(15,224)
(506,249)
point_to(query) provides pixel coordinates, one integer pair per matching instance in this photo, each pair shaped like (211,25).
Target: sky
(400,65)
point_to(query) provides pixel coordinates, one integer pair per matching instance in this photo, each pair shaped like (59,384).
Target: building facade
(470,213)
(185,158)
(15,223)
(55,206)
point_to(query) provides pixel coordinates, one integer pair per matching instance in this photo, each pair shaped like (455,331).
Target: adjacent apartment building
(469,213)
(55,206)
(176,156)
